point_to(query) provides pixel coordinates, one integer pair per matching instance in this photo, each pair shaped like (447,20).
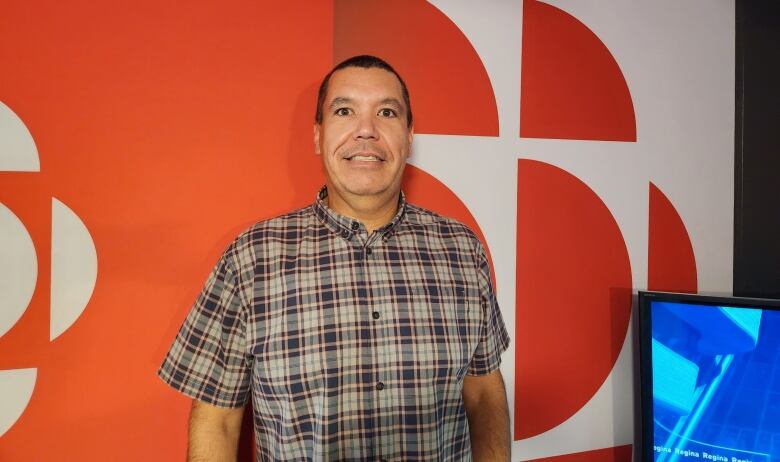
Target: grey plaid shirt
(352,347)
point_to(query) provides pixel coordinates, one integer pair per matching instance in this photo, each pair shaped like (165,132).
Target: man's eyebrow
(392,102)
(338,101)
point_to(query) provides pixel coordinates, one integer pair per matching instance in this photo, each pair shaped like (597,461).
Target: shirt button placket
(379,385)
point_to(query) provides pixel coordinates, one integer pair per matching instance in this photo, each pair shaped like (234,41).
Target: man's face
(363,139)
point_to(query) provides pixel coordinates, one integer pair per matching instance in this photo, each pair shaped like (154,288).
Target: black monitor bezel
(645,299)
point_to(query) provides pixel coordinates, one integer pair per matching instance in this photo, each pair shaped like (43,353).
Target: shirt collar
(344,226)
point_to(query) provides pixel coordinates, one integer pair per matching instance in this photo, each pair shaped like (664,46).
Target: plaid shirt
(353,347)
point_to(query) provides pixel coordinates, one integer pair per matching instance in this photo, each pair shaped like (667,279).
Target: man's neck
(373,212)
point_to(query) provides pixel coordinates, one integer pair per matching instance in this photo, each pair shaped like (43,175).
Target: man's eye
(387,112)
(342,111)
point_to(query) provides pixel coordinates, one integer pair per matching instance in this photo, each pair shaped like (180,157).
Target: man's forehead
(353,82)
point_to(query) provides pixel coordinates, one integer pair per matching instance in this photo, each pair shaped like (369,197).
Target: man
(362,327)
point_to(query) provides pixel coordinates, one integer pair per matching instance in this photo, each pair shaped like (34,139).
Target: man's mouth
(364,155)
(364,158)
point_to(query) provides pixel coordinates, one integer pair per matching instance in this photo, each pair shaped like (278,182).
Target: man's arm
(488,414)
(214,433)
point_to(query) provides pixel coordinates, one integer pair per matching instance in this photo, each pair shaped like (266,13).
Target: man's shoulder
(273,232)
(420,217)
(298,218)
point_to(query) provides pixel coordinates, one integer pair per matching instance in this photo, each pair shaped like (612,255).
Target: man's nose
(366,127)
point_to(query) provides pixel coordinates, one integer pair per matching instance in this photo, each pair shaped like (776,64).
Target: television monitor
(710,378)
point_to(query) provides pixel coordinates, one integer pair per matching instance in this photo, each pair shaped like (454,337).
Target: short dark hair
(364,62)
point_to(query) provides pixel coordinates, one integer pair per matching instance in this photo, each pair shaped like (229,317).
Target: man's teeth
(366,158)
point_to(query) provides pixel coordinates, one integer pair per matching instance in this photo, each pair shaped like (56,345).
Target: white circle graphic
(17,386)
(73,268)
(18,269)
(17,148)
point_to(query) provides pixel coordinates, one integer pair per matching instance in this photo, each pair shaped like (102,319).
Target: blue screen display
(716,383)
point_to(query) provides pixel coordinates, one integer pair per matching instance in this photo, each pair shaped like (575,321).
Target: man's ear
(317,139)
(411,139)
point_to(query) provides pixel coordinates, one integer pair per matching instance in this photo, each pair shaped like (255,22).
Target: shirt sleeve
(494,338)
(208,359)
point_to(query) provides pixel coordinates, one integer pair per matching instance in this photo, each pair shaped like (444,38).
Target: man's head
(363,132)
(363,62)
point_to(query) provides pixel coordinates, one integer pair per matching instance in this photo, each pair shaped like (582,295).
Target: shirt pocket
(447,322)
(468,320)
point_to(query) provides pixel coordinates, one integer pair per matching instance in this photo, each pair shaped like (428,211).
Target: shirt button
(375,315)
(355,225)
(345,234)
(369,251)
(380,386)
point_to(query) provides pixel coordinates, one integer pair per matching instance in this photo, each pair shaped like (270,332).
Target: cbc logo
(73,266)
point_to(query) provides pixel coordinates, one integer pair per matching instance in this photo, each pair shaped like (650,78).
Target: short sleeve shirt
(351,346)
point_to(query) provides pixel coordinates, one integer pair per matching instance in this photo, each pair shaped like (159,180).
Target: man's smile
(364,155)
(369,158)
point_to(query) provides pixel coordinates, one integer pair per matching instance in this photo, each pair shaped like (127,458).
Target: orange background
(167,129)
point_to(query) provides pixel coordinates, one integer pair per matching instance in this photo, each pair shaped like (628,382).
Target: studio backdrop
(589,143)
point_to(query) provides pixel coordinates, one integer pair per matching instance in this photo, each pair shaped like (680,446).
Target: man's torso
(359,345)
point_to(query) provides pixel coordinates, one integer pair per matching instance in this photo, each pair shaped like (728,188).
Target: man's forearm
(213,434)
(211,447)
(488,415)
(489,431)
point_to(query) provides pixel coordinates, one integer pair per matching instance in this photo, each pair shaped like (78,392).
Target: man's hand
(488,414)
(214,433)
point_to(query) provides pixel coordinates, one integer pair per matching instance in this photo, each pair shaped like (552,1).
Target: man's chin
(369,191)
(366,192)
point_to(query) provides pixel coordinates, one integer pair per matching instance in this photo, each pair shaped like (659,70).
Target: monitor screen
(710,378)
